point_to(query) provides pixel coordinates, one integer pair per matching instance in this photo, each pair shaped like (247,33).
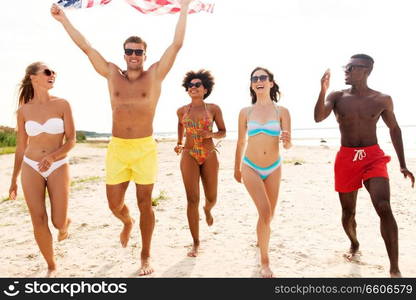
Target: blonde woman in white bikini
(260,169)
(45,134)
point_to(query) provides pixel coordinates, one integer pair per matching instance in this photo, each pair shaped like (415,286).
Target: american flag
(151,7)
(81,3)
(161,7)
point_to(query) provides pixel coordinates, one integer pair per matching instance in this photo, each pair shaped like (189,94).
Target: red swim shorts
(353,165)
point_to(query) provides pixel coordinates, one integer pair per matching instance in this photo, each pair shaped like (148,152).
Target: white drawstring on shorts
(359,154)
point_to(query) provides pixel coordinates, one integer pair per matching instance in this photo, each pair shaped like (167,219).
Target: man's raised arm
(168,58)
(98,62)
(323,107)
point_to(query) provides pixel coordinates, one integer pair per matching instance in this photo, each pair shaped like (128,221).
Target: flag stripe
(151,7)
(160,7)
(81,3)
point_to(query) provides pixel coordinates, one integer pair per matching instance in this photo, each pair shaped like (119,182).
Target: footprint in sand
(354,258)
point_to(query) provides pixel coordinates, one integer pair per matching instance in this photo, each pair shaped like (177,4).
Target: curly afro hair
(206,78)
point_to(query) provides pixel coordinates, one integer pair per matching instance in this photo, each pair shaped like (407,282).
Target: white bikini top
(51,126)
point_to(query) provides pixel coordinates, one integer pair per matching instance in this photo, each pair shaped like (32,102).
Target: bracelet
(178,144)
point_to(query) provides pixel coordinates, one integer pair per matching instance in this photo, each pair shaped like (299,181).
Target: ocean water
(311,136)
(328,136)
(332,137)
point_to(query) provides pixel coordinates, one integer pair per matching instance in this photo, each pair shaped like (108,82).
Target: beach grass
(7,150)
(85,180)
(3,199)
(7,137)
(162,196)
(6,198)
(80,136)
(7,140)
(99,144)
(19,203)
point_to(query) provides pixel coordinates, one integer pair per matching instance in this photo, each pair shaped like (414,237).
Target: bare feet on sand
(266,272)
(51,273)
(194,251)
(145,268)
(353,254)
(63,234)
(208,217)
(395,274)
(125,233)
(51,270)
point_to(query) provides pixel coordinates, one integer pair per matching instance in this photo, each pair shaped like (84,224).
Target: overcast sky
(295,39)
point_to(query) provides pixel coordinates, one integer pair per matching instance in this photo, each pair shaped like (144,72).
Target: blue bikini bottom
(263,172)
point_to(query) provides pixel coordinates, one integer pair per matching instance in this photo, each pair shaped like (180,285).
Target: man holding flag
(132,153)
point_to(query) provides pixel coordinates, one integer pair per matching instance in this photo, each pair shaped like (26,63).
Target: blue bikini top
(271,127)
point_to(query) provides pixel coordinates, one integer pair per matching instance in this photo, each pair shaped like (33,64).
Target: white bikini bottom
(55,165)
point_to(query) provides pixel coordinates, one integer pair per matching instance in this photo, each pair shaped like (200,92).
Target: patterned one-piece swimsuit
(193,130)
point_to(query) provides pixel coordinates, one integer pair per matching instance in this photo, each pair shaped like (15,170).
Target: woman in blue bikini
(45,134)
(266,124)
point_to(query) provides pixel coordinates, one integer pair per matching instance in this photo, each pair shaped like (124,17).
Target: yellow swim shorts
(131,159)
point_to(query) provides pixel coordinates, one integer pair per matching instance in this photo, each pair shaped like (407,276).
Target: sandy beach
(307,237)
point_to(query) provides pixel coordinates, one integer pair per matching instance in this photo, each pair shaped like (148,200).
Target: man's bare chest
(126,92)
(358,108)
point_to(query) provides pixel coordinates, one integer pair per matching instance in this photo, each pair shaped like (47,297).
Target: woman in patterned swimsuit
(199,158)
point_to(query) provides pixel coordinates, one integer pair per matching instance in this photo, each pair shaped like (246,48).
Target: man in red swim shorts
(353,165)
(360,159)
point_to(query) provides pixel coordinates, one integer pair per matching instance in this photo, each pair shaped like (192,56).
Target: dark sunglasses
(351,67)
(196,84)
(262,78)
(48,72)
(138,52)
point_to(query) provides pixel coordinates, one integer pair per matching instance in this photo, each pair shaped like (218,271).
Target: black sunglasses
(196,84)
(262,78)
(138,52)
(351,67)
(48,72)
